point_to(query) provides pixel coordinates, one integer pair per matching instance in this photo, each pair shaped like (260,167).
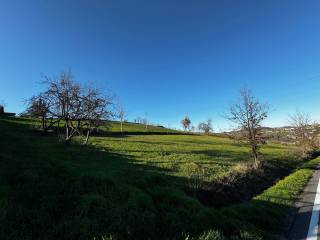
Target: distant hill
(282,134)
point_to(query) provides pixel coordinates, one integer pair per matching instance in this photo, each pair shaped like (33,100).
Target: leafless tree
(78,108)
(122,115)
(248,114)
(38,107)
(145,120)
(65,96)
(206,127)
(186,123)
(304,131)
(95,108)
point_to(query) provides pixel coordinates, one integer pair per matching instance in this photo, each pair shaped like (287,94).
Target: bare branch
(248,114)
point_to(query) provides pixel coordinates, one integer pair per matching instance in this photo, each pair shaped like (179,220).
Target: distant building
(2,112)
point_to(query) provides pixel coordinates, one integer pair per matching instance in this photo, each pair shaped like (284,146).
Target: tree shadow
(241,156)
(81,192)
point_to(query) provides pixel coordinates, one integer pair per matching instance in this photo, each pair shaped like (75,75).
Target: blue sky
(167,58)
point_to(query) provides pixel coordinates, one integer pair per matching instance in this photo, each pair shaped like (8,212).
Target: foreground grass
(267,212)
(265,216)
(125,187)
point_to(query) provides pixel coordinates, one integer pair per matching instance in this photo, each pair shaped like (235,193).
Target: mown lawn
(128,187)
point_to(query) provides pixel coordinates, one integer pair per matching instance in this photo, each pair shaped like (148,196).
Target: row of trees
(79,110)
(205,127)
(66,104)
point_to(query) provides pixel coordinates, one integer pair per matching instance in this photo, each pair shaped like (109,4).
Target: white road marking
(313,226)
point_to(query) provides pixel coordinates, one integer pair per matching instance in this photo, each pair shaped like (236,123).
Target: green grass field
(127,187)
(129,127)
(175,154)
(115,127)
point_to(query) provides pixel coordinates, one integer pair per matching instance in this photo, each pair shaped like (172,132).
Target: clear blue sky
(167,58)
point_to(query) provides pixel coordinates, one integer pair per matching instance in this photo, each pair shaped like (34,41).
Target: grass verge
(267,212)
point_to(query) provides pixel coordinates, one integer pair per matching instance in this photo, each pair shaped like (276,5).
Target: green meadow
(120,186)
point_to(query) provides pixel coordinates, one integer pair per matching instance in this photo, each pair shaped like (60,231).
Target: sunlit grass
(122,185)
(175,152)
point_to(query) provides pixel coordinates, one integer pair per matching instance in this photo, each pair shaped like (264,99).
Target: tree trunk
(43,121)
(67,141)
(87,137)
(121,125)
(255,155)
(67,136)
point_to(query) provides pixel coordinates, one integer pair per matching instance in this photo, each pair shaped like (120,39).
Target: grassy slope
(127,188)
(114,127)
(175,154)
(268,211)
(135,127)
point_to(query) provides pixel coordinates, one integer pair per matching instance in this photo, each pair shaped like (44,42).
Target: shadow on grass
(52,191)
(241,156)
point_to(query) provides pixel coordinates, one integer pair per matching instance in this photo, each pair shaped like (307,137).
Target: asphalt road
(306,221)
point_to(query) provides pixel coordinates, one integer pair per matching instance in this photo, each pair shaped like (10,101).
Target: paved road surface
(305,225)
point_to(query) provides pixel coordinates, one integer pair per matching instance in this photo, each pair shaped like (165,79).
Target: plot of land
(127,186)
(175,153)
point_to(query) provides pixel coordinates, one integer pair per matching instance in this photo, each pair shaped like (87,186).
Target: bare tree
(78,108)
(38,107)
(186,123)
(248,114)
(304,131)
(145,120)
(95,108)
(64,94)
(122,115)
(206,127)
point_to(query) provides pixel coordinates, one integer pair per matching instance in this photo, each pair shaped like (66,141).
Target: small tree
(206,127)
(186,123)
(122,115)
(78,108)
(95,108)
(304,131)
(248,114)
(145,120)
(39,107)
(65,95)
